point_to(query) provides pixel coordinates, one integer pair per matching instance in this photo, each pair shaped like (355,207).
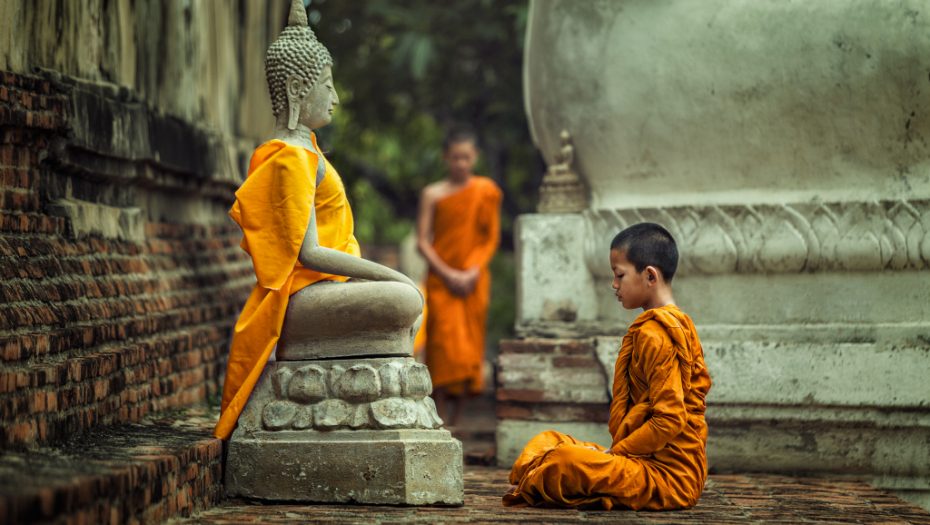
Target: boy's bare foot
(512,489)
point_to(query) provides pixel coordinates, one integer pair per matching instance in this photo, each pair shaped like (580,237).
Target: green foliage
(405,71)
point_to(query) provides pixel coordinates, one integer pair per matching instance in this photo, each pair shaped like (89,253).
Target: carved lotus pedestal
(344,430)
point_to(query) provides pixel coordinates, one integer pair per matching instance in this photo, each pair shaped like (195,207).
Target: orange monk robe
(657,424)
(466,232)
(419,341)
(273,209)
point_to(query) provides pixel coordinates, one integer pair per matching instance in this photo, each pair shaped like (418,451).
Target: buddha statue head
(298,69)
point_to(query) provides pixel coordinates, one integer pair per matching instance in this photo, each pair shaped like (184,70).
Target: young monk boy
(457,232)
(657,459)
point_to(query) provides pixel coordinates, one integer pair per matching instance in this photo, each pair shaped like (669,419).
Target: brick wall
(95,330)
(551,380)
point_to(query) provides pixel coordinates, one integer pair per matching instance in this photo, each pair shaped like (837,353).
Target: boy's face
(460,157)
(634,289)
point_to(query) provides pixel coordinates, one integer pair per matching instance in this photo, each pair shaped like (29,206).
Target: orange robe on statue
(466,232)
(657,424)
(273,208)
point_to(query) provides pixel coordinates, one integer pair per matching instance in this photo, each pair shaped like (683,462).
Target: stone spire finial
(298,16)
(295,52)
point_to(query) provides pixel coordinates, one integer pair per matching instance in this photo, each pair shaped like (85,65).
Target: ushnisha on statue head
(298,69)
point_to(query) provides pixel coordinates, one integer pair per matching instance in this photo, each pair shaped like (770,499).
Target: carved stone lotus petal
(887,250)
(824,227)
(360,384)
(859,249)
(429,418)
(925,247)
(713,251)
(279,382)
(304,418)
(390,379)
(308,385)
(335,373)
(394,413)
(278,415)
(360,418)
(415,381)
(331,414)
(906,220)
(783,250)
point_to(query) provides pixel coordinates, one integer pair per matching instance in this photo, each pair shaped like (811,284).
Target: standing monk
(458,232)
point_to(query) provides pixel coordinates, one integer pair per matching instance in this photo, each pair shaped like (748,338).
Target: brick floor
(726,499)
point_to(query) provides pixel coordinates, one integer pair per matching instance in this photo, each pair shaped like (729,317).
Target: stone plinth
(394,467)
(344,430)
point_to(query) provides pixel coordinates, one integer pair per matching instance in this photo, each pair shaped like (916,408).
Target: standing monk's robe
(466,231)
(657,424)
(273,209)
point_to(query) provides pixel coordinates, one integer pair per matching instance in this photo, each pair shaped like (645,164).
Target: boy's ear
(653,275)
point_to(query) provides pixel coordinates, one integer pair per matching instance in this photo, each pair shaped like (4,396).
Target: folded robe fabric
(466,232)
(273,208)
(657,424)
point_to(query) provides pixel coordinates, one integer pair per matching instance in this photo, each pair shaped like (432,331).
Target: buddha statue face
(317,104)
(298,69)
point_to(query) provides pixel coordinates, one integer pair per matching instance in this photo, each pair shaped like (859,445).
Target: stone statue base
(392,467)
(341,431)
(562,196)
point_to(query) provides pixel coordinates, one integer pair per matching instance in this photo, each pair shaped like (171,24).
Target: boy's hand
(462,282)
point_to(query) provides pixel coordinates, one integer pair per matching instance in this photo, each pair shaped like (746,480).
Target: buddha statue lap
(344,413)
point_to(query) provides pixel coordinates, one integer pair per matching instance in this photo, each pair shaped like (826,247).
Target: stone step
(138,473)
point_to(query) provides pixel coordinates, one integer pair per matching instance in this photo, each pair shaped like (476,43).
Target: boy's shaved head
(648,244)
(460,134)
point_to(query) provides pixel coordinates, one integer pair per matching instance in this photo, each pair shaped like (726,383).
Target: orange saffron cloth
(657,424)
(273,208)
(466,232)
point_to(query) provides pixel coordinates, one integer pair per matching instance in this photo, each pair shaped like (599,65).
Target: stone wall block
(308,384)
(415,381)
(390,379)
(279,382)
(331,414)
(359,384)
(395,413)
(278,415)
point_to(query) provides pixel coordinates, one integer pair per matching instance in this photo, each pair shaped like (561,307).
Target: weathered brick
(575,347)
(507,394)
(524,346)
(10,347)
(575,362)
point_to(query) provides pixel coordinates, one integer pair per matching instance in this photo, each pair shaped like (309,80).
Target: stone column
(785,148)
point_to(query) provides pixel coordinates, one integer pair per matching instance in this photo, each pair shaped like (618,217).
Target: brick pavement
(727,499)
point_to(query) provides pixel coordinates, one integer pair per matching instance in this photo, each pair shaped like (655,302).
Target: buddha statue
(379,307)
(334,417)
(562,190)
